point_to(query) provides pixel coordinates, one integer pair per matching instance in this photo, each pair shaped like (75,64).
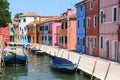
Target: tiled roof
(32,23)
(54,18)
(29,14)
(80,3)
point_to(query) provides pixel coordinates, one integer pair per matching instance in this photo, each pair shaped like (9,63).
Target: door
(119,53)
(107,49)
(114,50)
(91,46)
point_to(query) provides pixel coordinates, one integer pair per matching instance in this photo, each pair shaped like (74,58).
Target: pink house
(108,29)
(52,30)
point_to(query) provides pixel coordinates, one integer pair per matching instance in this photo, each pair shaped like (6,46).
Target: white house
(24,20)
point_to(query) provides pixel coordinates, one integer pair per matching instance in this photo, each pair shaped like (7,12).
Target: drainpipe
(118,31)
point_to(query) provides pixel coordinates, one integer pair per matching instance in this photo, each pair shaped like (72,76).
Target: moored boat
(63,65)
(8,57)
(20,57)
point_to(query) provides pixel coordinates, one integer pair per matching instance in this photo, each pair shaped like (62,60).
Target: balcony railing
(49,31)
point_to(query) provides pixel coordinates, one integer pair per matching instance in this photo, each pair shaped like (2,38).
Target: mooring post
(107,71)
(62,54)
(55,53)
(93,70)
(58,51)
(68,55)
(78,63)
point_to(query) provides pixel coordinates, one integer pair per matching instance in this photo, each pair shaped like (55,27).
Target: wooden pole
(107,71)
(93,70)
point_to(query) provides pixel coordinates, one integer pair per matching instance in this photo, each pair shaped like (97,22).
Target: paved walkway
(87,63)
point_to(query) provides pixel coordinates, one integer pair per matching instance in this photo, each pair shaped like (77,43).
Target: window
(19,20)
(78,41)
(88,22)
(94,44)
(91,4)
(95,18)
(62,39)
(24,20)
(101,16)
(20,28)
(78,23)
(59,39)
(46,27)
(66,25)
(87,42)
(114,16)
(83,41)
(25,28)
(81,8)
(84,22)
(65,39)
(62,25)
(101,42)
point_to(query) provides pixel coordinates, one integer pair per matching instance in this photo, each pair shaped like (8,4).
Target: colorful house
(67,38)
(45,33)
(80,26)
(40,31)
(108,30)
(52,30)
(24,20)
(5,32)
(40,28)
(92,27)
(32,31)
(16,30)
(11,33)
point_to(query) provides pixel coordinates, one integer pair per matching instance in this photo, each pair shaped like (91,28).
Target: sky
(41,7)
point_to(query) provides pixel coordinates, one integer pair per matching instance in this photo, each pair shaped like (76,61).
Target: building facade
(108,30)
(5,32)
(52,31)
(11,33)
(80,26)
(16,30)
(32,31)
(92,27)
(67,38)
(24,20)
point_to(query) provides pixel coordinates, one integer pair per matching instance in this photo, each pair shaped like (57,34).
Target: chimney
(68,9)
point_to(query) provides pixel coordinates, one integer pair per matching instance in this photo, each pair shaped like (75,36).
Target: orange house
(67,33)
(31,31)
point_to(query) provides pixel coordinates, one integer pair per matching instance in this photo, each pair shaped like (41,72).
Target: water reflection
(38,68)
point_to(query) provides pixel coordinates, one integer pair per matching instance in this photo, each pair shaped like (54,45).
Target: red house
(92,27)
(5,32)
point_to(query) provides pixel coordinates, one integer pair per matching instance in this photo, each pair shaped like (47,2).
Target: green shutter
(50,38)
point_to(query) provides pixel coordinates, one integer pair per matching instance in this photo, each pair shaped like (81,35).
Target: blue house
(45,33)
(80,24)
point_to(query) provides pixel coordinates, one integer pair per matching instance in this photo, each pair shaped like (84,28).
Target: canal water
(38,68)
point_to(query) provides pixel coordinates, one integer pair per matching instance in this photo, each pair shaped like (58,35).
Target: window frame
(113,14)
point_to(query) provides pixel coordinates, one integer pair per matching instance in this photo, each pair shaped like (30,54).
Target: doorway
(107,49)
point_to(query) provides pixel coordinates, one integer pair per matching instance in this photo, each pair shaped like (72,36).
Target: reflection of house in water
(14,73)
(24,20)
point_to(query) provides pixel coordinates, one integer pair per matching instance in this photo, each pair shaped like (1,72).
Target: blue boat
(8,57)
(63,65)
(26,45)
(20,57)
(14,58)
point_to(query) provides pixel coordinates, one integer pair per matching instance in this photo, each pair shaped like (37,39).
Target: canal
(38,68)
